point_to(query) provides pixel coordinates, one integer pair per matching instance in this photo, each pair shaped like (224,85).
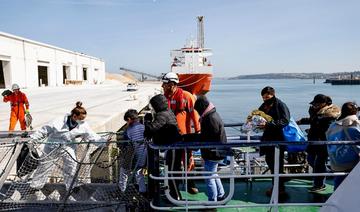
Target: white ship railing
(13,145)
(274,201)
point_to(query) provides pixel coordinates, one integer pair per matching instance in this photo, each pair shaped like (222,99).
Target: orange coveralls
(17,102)
(182,104)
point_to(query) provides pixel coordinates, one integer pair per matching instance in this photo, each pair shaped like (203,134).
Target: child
(134,133)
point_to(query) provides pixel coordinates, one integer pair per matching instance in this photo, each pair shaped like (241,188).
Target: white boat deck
(105,104)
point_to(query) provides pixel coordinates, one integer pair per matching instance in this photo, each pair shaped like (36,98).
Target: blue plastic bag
(292,132)
(343,157)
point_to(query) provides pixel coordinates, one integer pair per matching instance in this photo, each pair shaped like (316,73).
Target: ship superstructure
(192,64)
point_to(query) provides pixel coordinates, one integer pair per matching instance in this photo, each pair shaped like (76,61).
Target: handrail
(241,143)
(186,202)
(274,202)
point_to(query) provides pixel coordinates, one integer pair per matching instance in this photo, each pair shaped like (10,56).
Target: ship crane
(143,74)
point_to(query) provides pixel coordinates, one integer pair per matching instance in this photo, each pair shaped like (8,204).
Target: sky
(246,36)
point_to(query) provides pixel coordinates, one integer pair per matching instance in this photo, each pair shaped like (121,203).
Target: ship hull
(195,83)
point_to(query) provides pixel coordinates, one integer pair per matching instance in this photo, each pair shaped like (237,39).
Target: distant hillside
(342,75)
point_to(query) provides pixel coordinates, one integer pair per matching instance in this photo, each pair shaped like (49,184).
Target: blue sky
(247,36)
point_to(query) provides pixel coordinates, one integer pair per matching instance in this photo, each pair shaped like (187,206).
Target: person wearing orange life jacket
(182,102)
(17,101)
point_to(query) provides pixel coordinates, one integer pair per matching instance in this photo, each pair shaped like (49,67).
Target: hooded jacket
(344,157)
(319,123)
(212,130)
(163,129)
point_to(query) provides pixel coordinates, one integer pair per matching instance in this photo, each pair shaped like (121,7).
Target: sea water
(235,99)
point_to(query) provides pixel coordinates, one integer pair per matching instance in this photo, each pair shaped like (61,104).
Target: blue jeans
(317,162)
(214,186)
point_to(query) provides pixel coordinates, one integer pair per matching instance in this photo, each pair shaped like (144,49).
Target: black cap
(321,98)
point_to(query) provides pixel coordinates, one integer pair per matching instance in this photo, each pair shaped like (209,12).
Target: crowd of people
(179,116)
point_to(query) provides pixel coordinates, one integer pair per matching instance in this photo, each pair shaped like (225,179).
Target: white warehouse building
(33,64)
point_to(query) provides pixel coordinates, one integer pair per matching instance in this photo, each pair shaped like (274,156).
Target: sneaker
(315,189)
(193,190)
(221,198)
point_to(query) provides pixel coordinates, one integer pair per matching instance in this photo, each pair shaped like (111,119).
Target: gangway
(143,74)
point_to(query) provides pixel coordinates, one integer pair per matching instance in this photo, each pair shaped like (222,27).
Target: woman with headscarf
(212,130)
(343,158)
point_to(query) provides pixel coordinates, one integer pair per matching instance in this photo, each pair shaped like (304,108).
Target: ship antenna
(200,35)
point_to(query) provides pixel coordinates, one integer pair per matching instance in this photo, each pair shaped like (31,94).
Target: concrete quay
(105,103)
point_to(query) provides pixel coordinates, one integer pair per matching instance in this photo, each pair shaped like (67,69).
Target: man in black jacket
(278,110)
(163,130)
(212,130)
(322,113)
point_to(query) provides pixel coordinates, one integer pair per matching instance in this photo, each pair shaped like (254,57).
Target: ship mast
(200,35)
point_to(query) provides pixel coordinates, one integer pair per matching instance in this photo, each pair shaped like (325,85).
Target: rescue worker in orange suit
(17,101)
(182,102)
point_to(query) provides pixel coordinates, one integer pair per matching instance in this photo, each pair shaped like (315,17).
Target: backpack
(345,156)
(293,133)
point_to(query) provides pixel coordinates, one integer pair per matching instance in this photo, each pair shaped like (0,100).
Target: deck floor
(254,193)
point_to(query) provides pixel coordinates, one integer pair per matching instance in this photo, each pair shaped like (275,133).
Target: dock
(343,81)
(105,103)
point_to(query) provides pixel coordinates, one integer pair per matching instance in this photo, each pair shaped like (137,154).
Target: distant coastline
(337,75)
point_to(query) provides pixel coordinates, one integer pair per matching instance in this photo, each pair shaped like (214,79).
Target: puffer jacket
(319,123)
(273,130)
(163,129)
(212,130)
(344,157)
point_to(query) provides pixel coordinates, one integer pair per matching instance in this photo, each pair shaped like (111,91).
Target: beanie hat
(201,104)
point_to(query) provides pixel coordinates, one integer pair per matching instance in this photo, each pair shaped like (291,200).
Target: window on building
(84,74)
(43,76)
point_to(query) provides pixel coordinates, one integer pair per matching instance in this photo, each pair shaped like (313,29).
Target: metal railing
(231,174)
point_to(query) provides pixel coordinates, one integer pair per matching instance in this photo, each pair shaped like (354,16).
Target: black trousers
(173,161)
(153,169)
(270,160)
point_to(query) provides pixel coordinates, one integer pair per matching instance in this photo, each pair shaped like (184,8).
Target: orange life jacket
(182,104)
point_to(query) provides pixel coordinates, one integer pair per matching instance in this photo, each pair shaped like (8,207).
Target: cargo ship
(192,64)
